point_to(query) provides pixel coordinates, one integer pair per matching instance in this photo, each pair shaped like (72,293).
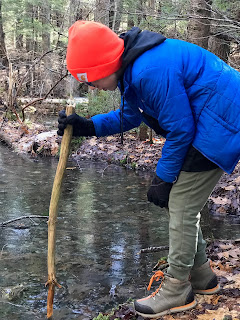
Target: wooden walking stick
(53,208)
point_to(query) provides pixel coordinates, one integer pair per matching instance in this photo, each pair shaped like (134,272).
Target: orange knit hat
(94,51)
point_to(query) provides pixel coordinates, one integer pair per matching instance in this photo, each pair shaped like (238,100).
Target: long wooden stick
(53,208)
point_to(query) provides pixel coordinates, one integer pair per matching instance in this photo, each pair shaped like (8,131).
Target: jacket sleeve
(110,123)
(163,92)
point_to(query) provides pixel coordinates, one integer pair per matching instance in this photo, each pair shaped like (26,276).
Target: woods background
(33,37)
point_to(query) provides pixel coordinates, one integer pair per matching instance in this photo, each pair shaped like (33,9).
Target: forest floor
(143,155)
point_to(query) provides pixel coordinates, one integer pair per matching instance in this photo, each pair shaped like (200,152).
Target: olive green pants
(187,197)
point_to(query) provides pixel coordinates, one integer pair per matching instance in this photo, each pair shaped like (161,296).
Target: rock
(44,136)
(13,293)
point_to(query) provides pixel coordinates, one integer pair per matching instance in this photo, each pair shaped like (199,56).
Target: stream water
(104,220)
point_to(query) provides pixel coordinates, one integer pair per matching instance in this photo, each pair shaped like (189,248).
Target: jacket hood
(136,42)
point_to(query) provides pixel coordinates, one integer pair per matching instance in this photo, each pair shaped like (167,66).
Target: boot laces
(156,277)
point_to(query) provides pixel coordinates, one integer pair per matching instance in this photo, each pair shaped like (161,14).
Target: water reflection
(104,220)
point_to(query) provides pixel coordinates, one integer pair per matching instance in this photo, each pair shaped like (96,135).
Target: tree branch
(3,224)
(41,99)
(153,249)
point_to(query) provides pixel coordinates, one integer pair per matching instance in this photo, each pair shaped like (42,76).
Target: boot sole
(208,291)
(169,311)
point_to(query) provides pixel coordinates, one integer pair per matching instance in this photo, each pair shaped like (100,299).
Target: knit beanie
(94,51)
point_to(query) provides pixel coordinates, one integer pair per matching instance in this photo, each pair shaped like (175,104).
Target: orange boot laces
(157,276)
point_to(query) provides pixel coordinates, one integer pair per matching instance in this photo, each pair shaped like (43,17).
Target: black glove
(81,126)
(158,192)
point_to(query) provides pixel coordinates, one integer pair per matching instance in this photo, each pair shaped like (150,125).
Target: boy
(192,98)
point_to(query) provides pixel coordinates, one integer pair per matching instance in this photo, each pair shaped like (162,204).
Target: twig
(161,266)
(13,304)
(24,77)
(40,99)
(3,224)
(153,249)
(36,224)
(112,164)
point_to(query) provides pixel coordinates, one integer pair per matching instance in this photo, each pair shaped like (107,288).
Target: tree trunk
(30,33)
(45,17)
(219,42)
(143,132)
(220,47)
(3,51)
(115,14)
(76,13)
(140,8)
(199,24)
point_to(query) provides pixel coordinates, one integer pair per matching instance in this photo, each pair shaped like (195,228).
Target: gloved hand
(81,126)
(158,192)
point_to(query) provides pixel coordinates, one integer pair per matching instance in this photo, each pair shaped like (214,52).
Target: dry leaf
(215,299)
(147,161)
(234,253)
(110,138)
(225,246)
(218,314)
(237,180)
(235,282)
(219,200)
(229,188)
(92,141)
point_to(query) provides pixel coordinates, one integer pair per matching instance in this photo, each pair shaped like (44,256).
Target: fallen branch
(3,224)
(153,249)
(164,248)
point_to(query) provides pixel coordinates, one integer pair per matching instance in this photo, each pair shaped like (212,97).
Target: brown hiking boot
(204,280)
(171,296)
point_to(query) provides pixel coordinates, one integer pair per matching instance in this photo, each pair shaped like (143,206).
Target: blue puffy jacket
(195,97)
